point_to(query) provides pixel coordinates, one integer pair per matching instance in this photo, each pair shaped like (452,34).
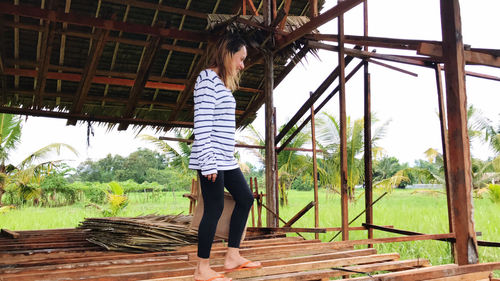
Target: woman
(212,155)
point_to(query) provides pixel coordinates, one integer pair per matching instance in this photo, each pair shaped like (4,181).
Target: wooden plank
(299,214)
(382,42)
(9,233)
(423,61)
(96,79)
(133,270)
(292,229)
(400,231)
(429,273)
(85,117)
(142,77)
(129,75)
(471,57)
(393,67)
(475,276)
(269,270)
(76,19)
(298,267)
(289,248)
(69,98)
(481,75)
(330,273)
(395,239)
(459,168)
(323,18)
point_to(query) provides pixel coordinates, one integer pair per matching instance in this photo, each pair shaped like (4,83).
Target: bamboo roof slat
(75,26)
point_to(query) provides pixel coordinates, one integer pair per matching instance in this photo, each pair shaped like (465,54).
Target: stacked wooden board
(288,258)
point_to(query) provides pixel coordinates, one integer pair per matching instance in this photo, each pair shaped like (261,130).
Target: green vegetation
(404,209)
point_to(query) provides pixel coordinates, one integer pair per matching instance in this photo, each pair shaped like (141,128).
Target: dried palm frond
(149,233)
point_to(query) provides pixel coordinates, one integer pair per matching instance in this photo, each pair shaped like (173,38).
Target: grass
(421,212)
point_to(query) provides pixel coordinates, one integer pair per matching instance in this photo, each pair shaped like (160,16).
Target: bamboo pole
(315,172)
(444,142)
(343,136)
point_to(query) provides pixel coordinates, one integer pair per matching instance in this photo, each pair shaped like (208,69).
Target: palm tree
(28,174)
(10,135)
(329,139)
(179,157)
(291,164)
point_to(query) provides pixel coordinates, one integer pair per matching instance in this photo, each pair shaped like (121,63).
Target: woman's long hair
(228,45)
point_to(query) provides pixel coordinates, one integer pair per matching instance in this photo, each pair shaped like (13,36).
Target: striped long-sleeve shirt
(214,125)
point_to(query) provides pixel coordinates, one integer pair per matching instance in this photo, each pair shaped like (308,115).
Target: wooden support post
(252,209)
(444,142)
(343,136)
(315,171)
(244,7)
(276,188)
(459,170)
(259,203)
(271,199)
(367,133)
(368,153)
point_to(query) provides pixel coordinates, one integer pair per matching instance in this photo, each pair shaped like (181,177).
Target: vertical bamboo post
(252,209)
(343,137)
(271,200)
(444,142)
(313,8)
(459,168)
(277,172)
(259,203)
(315,171)
(368,135)
(368,153)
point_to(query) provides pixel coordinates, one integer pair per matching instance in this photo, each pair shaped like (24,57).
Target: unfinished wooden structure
(129,62)
(65,255)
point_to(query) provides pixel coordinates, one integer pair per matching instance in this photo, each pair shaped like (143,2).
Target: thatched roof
(127,62)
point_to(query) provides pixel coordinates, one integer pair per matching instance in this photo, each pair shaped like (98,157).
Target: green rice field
(421,211)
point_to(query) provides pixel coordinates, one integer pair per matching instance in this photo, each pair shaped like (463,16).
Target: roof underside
(122,61)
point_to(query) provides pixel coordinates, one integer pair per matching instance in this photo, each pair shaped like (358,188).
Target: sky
(408,103)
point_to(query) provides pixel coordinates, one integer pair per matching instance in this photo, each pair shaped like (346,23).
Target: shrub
(494,190)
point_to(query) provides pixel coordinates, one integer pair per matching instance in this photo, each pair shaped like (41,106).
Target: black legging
(213,200)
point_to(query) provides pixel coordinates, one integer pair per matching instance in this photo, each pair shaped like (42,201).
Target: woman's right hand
(211,177)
